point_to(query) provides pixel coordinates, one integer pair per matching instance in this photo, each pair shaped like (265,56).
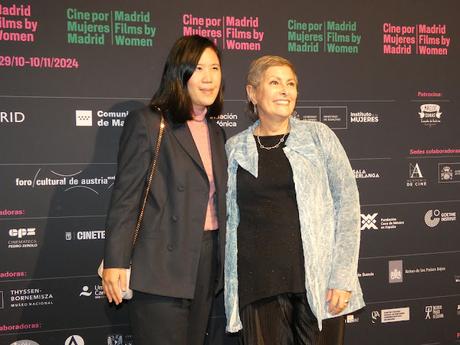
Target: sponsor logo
(363,174)
(434,217)
(120,339)
(115,339)
(372,222)
(416,178)
(83,118)
(23,298)
(448,172)
(25,342)
(85,291)
(11,117)
(433,312)
(368,221)
(351,319)
(97,291)
(375,316)
(457,278)
(363,117)
(74,340)
(22,232)
(395,271)
(22,238)
(333,116)
(430,114)
(88,180)
(85,235)
(395,315)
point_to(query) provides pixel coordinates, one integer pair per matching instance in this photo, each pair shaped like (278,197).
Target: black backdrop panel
(382,75)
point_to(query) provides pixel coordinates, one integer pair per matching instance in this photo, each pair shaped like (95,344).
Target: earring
(255,109)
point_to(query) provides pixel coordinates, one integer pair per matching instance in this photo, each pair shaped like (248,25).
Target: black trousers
(287,319)
(162,320)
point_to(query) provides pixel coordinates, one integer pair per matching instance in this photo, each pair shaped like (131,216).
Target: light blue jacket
(329,212)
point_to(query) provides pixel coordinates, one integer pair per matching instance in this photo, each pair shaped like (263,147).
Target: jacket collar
(300,140)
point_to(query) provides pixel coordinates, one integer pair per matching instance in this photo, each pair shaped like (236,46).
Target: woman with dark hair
(176,259)
(293,227)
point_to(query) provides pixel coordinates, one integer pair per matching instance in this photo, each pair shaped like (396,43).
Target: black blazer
(166,254)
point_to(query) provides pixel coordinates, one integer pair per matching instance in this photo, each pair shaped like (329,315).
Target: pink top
(200,133)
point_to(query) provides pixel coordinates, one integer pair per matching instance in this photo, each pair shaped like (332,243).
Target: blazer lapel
(184,137)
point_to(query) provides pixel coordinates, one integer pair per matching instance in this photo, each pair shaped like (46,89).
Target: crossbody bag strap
(156,152)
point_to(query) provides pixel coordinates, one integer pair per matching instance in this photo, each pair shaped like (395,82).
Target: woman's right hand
(114,282)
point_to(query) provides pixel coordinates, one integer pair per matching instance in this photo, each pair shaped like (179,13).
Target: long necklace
(270,147)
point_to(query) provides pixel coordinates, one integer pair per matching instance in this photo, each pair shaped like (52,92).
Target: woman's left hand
(338,300)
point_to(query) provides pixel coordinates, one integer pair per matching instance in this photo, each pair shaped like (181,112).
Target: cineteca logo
(368,221)
(83,118)
(395,271)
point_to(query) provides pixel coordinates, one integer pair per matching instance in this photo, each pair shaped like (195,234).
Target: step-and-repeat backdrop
(383,75)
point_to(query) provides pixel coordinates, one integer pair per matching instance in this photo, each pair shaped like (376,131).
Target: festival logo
(229,32)
(329,36)
(420,39)
(115,27)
